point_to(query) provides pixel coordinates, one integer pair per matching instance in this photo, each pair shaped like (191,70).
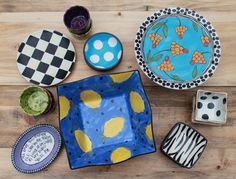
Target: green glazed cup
(34,101)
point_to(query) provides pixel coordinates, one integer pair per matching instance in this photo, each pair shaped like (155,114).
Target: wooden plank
(168,106)
(15,26)
(156,165)
(113,5)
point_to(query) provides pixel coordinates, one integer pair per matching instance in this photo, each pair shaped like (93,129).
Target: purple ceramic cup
(77,20)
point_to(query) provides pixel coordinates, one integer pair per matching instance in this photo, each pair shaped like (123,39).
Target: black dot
(218,113)
(205,116)
(203,97)
(199,105)
(101,78)
(224,100)
(215,97)
(210,105)
(208,93)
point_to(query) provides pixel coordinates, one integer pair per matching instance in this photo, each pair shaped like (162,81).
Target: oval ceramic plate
(36,148)
(177,48)
(103,51)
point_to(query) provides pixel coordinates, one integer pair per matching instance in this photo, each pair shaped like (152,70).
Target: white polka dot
(94,58)
(98,44)
(86,47)
(108,56)
(119,54)
(112,42)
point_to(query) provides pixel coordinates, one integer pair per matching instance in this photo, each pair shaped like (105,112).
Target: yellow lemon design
(136,102)
(118,78)
(64,106)
(148,132)
(120,154)
(83,141)
(113,127)
(91,98)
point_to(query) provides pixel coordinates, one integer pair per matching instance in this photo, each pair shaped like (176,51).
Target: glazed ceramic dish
(184,145)
(77,20)
(36,148)
(45,57)
(105,119)
(210,107)
(35,101)
(103,51)
(177,48)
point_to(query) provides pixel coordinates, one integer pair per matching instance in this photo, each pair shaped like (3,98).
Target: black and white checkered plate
(45,57)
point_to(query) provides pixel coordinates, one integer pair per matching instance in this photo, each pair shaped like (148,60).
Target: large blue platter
(177,48)
(105,119)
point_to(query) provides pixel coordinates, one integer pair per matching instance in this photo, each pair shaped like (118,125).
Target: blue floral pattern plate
(105,119)
(177,48)
(103,51)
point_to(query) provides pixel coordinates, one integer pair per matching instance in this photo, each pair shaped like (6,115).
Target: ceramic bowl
(184,145)
(103,51)
(177,48)
(105,119)
(36,148)
(77,20)
(210,107)
(34,101)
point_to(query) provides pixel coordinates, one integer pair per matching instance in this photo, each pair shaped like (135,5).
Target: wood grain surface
(20,17)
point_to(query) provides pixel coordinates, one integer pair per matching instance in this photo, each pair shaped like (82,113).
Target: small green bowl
(34,101)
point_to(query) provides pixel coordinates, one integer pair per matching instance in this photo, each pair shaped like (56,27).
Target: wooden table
(20,17)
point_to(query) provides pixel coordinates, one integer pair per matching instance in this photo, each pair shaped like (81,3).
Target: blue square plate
(105,119)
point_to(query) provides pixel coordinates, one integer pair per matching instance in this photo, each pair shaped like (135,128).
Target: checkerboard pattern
(45,57)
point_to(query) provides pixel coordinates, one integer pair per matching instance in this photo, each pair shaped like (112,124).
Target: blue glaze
(184,68)
(115,103)
(103,51)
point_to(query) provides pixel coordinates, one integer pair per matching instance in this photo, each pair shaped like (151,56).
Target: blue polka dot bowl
(103,51)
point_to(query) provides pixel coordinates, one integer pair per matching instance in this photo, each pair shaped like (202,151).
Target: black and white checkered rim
(22,135)
(193,15)
(53,53)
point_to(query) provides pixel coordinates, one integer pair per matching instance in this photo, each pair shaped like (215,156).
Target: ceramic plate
(184,145)
(177,48)
(105,119)
(103,51)
(45,57)
(36,148)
